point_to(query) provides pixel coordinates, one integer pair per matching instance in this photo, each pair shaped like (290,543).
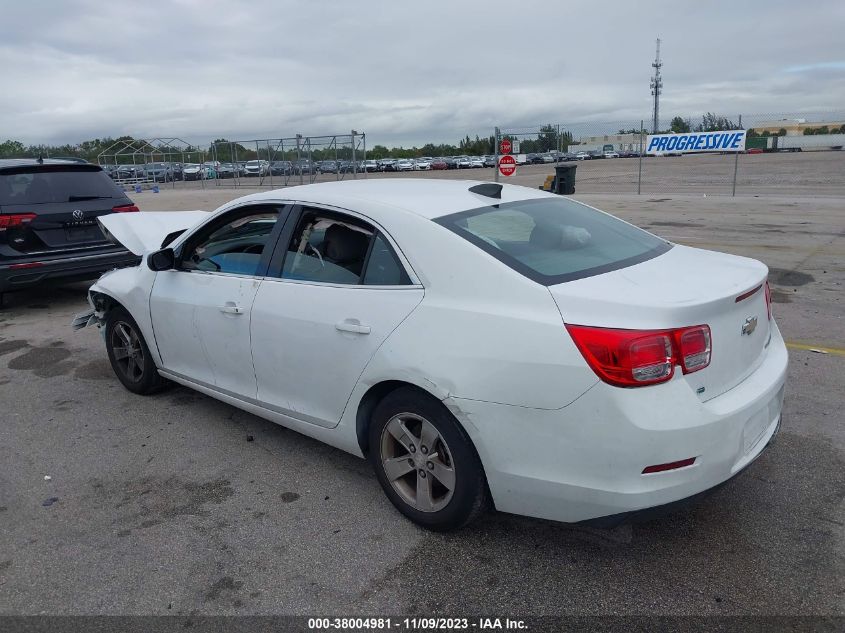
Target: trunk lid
(683,287)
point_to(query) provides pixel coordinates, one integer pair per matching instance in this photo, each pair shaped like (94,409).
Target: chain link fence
(793,154)
(296,160)
(783,154)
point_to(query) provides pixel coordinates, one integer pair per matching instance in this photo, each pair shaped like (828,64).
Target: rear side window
(383,267)
(338,249)
(52,184)
(554,240)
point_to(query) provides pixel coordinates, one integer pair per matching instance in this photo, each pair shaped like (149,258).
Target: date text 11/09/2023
(415,624)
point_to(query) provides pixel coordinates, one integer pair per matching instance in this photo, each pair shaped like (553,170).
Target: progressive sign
(724,141)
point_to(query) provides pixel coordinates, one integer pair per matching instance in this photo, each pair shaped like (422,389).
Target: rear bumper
(655,512)
(586,460)
(17,275)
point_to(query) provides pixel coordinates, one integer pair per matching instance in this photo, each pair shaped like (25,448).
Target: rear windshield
(50,185)
(553,240)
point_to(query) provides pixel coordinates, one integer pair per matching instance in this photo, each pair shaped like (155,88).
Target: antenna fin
(489,189)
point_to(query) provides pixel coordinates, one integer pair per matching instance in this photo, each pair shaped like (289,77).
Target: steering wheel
(200,260)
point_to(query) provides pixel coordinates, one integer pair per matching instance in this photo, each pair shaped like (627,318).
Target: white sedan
(482,345)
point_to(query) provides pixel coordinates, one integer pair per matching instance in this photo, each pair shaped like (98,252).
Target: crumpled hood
(143,232)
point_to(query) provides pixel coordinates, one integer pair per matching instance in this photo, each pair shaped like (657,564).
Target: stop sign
(505,146)
(507,165)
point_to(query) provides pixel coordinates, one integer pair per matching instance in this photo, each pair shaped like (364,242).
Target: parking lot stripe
(816,348)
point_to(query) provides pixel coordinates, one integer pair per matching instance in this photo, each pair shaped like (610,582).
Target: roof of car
(8,163)
(426,197)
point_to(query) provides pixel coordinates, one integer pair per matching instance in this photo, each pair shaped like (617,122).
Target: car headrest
(560,236)
(343,244)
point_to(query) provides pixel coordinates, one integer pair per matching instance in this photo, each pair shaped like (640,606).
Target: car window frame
(203,231)
(274,272)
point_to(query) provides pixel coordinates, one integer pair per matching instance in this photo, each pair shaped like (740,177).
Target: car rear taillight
(125,208)
(768,301)
(694,348)
(635,358)
(15,220)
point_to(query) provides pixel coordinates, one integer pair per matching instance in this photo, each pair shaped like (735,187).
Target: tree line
(711,122)
(550,137)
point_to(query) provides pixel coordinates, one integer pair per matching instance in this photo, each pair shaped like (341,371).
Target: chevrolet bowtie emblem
(750,325)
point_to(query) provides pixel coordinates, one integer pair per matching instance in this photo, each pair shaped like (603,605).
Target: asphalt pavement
(179,504)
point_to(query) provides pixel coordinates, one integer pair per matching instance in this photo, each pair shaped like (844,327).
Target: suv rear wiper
(79,198)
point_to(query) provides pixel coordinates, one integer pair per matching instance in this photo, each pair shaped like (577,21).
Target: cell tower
(656,89)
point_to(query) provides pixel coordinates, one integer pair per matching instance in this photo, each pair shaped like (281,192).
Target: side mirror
(164,259)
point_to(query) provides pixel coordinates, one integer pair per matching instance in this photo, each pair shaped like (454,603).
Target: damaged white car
(482,344)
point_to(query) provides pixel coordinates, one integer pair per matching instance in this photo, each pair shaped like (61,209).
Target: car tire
(129,354)
(423,493)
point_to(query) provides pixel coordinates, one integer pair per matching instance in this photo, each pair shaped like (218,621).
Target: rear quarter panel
(482,331)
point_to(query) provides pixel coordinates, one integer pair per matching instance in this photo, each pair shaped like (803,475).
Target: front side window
(235,247)
(554,240)
(339,249)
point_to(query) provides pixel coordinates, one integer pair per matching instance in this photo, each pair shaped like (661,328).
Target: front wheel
(129,355)
(425,462)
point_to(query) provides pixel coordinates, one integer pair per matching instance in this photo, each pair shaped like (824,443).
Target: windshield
(553,240)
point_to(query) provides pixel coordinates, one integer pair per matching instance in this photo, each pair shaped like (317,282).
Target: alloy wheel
(127,351)
(417,462)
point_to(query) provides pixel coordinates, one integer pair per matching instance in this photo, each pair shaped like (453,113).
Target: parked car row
(164,172)
(170,171)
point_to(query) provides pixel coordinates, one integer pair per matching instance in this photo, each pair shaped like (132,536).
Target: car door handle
(352,325)
(230,307)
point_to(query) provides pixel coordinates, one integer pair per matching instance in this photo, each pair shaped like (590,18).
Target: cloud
(840,65)
(404,73)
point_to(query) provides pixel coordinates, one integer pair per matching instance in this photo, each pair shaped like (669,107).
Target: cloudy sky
(403,72)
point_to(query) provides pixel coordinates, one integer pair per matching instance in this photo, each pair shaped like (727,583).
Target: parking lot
(789,174)
(163,505)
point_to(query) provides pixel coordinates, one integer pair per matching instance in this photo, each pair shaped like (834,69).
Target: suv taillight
(635,358)
(125,208)
(15,220)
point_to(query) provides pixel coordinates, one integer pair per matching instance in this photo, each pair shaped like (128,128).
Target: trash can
(565,178)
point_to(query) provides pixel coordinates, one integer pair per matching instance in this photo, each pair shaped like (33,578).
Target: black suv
(48,222)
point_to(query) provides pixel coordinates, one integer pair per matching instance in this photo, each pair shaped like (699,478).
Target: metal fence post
(736,164)
(269,163)
(640,166)
(312,173)
(496,143)
(354,164)
(364,143)
(299,157)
